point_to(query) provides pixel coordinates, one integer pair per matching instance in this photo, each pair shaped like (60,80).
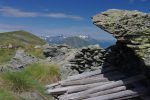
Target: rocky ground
(74,61)
(19,61)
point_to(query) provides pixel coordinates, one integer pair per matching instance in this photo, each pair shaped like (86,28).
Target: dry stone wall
(88,59)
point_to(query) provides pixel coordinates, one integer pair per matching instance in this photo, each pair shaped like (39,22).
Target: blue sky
(53,17)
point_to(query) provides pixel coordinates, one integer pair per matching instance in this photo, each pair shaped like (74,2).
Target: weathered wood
(110,91)
(114,90)
(91,80)
(72,89)
(80,76)
(84,81)
(52,85)
(104,87)
(88,74)
(114,96)
(85,87)
(58,91)
(71,78)
(128,97)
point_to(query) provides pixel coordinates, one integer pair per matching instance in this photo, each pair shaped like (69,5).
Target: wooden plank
(71,89)
(80,76)
(114,96)
(52,85)
(58,91)
(104,87)
(128,97)
(92,80)
(98,78)
(88,74)
(114,90)
(105,92)
(85,87)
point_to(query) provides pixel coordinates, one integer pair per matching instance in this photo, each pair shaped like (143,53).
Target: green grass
(6,55)
(44,73)
(18,81)
(7,95)
(37,52)
(31,79)
(21,39)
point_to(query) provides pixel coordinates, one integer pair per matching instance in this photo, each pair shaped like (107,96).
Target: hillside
(11,41)
(20,38)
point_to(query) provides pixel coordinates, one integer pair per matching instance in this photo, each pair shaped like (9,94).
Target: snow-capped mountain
(76,41)
(83,36)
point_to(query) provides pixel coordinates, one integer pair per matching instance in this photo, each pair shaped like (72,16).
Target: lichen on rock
(131,28)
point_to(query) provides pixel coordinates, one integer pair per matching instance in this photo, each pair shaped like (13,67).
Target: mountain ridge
(20,36)
(10,42)
(77,41)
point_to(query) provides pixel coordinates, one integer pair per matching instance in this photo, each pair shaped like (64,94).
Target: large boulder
(130,28)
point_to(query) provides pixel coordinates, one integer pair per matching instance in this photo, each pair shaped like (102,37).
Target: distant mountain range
(77,41)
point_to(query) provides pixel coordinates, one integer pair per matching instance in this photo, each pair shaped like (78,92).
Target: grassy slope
(31,79)
(20,38)
(24,40)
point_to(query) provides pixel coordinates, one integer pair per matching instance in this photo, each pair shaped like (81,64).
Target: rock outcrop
(131,28)
(19,61)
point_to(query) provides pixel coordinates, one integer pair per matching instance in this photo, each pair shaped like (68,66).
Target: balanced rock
(130,28)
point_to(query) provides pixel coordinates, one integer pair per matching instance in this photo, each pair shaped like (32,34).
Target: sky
(55,17)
